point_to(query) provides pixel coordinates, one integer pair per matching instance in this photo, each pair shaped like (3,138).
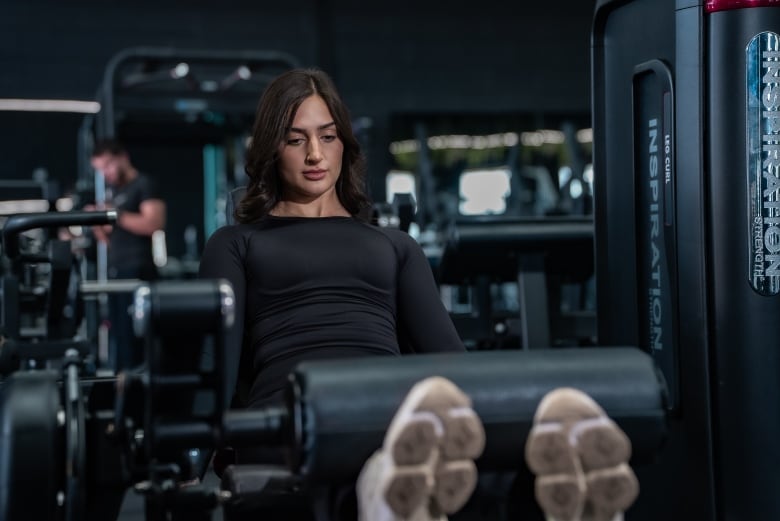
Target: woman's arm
(423,319)
(223,258)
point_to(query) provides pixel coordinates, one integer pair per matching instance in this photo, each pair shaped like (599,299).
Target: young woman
(312,278)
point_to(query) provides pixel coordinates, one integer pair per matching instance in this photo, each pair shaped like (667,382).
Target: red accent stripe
(723,5)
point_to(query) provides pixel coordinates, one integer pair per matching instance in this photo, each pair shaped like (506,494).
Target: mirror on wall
(513,165)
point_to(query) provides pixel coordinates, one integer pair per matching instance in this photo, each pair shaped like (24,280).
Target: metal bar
(90,287)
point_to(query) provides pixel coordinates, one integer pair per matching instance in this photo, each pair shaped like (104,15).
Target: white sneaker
(425,468)
(580,458)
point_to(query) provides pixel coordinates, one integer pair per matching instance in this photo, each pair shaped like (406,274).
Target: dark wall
(421,56)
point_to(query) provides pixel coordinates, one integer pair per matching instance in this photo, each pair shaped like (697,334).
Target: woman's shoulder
(401,240)
(231,233)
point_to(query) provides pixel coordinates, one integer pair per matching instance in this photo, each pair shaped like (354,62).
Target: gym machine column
(686,173)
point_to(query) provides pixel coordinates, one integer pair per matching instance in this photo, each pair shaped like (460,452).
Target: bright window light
(575,188)
(585,135)
(538,138)
(587,174)
(484,191)
(400,182)
(458,142)
(564,175)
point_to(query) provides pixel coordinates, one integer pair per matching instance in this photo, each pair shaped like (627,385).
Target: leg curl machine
(71,446)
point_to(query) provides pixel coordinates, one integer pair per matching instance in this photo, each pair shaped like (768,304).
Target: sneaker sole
(579,457)
(433,441)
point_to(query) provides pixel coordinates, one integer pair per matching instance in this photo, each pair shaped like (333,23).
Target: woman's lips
(314,175)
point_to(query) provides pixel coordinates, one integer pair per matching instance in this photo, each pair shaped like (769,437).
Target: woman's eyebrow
(321,127)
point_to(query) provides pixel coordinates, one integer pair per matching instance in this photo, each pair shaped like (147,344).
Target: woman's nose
(314,154)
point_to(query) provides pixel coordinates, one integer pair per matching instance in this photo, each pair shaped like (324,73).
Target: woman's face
(310,154)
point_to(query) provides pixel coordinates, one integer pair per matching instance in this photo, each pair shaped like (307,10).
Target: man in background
(140,212)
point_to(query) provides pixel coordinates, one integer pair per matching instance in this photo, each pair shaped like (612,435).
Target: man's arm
(150,218)
(101,232)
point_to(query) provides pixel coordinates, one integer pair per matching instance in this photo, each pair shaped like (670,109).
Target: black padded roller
(343,408)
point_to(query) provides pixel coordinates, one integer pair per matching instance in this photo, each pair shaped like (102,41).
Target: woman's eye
(328,138)
(295,141)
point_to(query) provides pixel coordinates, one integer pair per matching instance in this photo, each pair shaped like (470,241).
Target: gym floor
(133,505)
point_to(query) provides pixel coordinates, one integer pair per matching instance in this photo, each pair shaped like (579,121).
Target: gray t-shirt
(127,251)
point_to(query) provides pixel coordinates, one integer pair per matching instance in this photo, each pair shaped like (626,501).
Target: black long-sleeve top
(315,288)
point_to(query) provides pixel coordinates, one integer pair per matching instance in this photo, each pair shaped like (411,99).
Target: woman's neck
(287,208)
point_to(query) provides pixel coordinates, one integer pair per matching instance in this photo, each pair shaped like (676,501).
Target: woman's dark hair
(275,113)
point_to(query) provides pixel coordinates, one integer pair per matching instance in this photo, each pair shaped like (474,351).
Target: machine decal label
(655,310)
(763,161)
(655,214)
(660,216)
